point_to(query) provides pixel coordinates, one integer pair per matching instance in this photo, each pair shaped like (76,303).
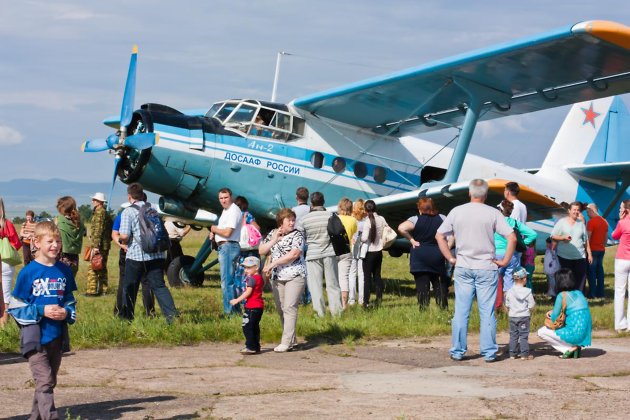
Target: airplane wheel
(176,272)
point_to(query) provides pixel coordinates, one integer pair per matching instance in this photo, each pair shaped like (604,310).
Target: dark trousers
(251,328)
(372,276)
(595,275)
(148,300)
(174,251)
(26,252)
(424,279)
(154,272)
(519,334)
(44,366)
(579,270)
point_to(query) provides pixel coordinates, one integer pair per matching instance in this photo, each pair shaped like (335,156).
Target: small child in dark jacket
(254,305)
(520,302)
(43,305)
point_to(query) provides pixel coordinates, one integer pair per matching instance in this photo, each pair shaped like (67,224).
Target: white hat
(251,261)
(100,197)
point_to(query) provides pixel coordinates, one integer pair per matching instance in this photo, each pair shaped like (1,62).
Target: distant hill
(20,195)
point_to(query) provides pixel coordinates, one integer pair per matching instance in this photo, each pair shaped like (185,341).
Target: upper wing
(585,61)
(398,207)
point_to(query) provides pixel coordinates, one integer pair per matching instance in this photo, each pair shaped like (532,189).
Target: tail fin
(589,154)
(592,133)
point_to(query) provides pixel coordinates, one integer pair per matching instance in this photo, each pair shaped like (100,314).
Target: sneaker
(490,360)
(513,357)
(281,348)
(527,357)
(456,358)
(245,350)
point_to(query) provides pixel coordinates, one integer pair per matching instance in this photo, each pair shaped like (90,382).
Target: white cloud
(52,100)
(9,136)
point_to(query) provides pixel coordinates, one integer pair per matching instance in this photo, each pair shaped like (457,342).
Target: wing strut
(621,184)
(477,95)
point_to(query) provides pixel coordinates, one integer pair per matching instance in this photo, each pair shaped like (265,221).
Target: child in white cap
(520,301)
(254,305)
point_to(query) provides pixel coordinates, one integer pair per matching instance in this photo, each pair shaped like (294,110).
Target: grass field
(201,310)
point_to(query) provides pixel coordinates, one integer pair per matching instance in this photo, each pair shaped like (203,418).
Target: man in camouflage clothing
(100,241)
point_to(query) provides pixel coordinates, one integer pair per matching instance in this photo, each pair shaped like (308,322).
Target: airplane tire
(176,273)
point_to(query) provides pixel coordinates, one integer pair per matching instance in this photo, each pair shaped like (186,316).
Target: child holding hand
(254,305)
(520,302)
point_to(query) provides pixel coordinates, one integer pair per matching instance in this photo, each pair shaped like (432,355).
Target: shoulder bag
(561,318)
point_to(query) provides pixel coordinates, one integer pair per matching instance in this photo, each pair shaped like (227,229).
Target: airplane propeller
(119,141)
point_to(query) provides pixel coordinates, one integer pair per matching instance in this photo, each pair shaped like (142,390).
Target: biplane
(359,140)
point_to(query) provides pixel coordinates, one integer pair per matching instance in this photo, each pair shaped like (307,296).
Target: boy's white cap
(251,261)
(100,197)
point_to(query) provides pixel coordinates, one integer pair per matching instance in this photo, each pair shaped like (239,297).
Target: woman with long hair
(7,230)
(372,235)
(622,267)
(72,232)
(356,279)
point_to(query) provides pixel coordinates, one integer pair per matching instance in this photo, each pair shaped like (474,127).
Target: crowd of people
(487,253)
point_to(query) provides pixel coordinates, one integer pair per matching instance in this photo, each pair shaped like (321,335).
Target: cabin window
(317,160)
(360,170)
(298,128)
(244,113)
(339,164)
(431,173)
(216,107)
(380,174)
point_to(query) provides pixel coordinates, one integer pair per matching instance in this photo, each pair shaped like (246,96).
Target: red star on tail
(590,115)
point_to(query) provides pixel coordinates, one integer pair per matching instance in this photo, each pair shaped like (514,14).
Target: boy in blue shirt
(43,305)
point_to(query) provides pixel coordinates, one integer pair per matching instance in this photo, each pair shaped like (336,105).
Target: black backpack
(520,241)
(153,234)
(338,236)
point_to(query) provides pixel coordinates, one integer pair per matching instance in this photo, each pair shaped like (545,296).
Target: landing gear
(179,274)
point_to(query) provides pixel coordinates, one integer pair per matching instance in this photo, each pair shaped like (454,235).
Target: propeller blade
(126,111)
(111,190)
(142,141)
(96,145)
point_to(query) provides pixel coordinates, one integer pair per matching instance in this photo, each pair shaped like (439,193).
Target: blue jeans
(154,272)
(228,257)
(468,284)
(507,271)
(595,275)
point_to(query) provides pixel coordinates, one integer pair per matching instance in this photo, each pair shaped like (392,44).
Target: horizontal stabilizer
(618,171)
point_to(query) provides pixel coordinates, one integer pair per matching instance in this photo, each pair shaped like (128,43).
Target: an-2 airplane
(351,141)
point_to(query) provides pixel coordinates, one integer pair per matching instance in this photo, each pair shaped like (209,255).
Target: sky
(64,63)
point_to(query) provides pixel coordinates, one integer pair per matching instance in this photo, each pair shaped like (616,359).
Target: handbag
(9,254)
(87,253)
(97,262)
(250,236)
(561,318)
(389,236)
(267,276)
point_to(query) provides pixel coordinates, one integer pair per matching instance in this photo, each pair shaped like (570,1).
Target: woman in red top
(622,266)
(7,230)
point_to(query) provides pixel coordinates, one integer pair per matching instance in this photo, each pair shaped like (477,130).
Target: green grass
(399,316)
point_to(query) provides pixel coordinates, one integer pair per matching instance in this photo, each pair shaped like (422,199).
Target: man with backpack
(144,233)
(321,261)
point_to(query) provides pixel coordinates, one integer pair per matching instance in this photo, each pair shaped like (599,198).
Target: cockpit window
(244,113)
(225,111)
(214,109)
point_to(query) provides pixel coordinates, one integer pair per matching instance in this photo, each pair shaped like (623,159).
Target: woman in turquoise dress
(576,332)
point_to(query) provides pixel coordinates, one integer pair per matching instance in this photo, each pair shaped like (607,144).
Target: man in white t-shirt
(227,233)
(510,193)
(474,225)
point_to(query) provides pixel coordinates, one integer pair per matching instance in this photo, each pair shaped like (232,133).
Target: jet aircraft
(354,142)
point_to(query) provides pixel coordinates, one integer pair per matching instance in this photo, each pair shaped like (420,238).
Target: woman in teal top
(576,332)
(500,244)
